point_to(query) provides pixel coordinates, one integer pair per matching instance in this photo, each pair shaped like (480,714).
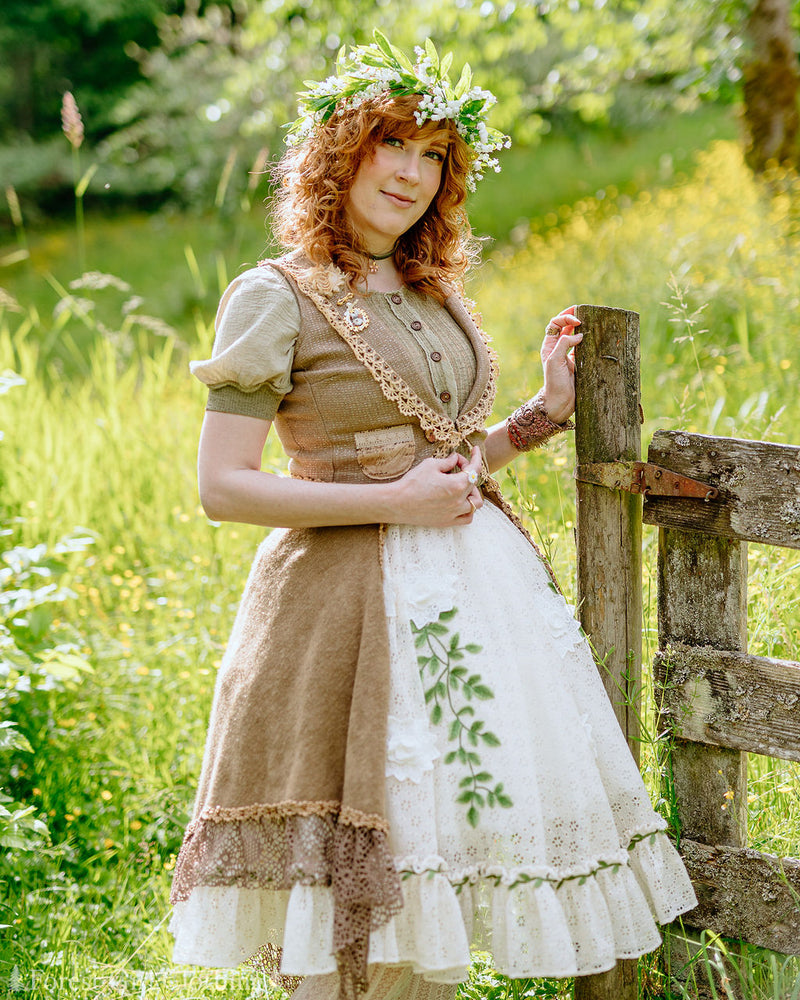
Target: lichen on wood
(758,484)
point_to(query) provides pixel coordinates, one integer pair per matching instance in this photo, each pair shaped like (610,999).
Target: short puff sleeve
(250,368)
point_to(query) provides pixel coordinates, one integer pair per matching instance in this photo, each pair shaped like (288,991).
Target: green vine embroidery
(444,678)
(539,880)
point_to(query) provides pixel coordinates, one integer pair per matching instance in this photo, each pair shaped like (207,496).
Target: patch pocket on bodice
(387,452)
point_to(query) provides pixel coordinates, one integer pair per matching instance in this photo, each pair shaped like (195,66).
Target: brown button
(396,299)
(445,396)
(430,436)
(416,325)
(435,356)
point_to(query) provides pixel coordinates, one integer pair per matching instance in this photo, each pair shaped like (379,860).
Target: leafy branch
(445,678)
(554,878)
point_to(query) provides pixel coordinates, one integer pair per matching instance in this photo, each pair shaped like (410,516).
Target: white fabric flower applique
(564,627)
(587,728)
(326,279)
(429,593)
(410,749)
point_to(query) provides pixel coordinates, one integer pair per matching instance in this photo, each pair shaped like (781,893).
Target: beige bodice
(377,382)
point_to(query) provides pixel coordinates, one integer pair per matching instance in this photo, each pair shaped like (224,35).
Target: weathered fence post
(609,522)
(609,542)
(702,601)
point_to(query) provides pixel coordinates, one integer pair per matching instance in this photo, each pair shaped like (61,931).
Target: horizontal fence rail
(731,699)
(758,483)
(745,895)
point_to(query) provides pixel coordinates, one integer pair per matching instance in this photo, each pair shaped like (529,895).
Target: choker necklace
(372,267)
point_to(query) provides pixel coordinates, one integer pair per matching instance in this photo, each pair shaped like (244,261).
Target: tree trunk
(771,84)
(22,63)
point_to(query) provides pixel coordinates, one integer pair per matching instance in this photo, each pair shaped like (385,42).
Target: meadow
(117,593)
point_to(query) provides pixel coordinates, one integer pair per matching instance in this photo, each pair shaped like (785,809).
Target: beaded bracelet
(529,426)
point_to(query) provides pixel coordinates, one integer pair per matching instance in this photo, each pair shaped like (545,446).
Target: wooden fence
(709,496)
(717,701)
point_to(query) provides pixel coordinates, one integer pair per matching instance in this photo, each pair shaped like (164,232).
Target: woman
(410,747)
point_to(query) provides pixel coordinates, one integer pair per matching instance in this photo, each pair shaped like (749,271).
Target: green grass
(108,445)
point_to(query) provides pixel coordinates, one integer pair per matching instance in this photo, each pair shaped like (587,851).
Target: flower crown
(369,71)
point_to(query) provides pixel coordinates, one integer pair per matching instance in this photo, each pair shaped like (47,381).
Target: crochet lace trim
(300,843)
(449,433)
(344,814)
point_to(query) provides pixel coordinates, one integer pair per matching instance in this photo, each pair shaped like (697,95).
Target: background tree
(771,84)
(51,46)
(218,86)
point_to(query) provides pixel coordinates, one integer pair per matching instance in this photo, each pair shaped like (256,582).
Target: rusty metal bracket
(642,477)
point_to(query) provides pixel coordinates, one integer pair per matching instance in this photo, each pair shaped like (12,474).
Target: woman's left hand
(559,365)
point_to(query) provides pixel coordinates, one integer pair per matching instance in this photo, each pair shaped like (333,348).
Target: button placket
(439,368)
(441,372)
(444,381)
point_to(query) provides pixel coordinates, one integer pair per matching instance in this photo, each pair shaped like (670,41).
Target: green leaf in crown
(368,72)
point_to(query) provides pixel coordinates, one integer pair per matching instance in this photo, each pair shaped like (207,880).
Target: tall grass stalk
(15,211)
(689,320)
(72,126)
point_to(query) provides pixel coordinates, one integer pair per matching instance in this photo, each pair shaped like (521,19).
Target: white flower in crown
(410,749)
(369,71)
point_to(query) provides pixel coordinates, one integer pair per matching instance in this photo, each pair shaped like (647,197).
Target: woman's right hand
(438,493)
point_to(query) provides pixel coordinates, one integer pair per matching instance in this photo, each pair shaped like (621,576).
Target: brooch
(355,318)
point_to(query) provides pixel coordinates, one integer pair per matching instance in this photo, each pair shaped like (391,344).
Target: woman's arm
(232,487)
(558,394)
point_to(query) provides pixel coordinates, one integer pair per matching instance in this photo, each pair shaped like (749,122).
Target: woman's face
(394,187)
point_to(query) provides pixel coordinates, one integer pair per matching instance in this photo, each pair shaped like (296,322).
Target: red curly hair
(315,180)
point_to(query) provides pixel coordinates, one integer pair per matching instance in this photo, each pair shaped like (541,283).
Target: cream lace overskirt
(567,867)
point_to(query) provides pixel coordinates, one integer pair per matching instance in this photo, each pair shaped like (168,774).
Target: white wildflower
(369,72)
